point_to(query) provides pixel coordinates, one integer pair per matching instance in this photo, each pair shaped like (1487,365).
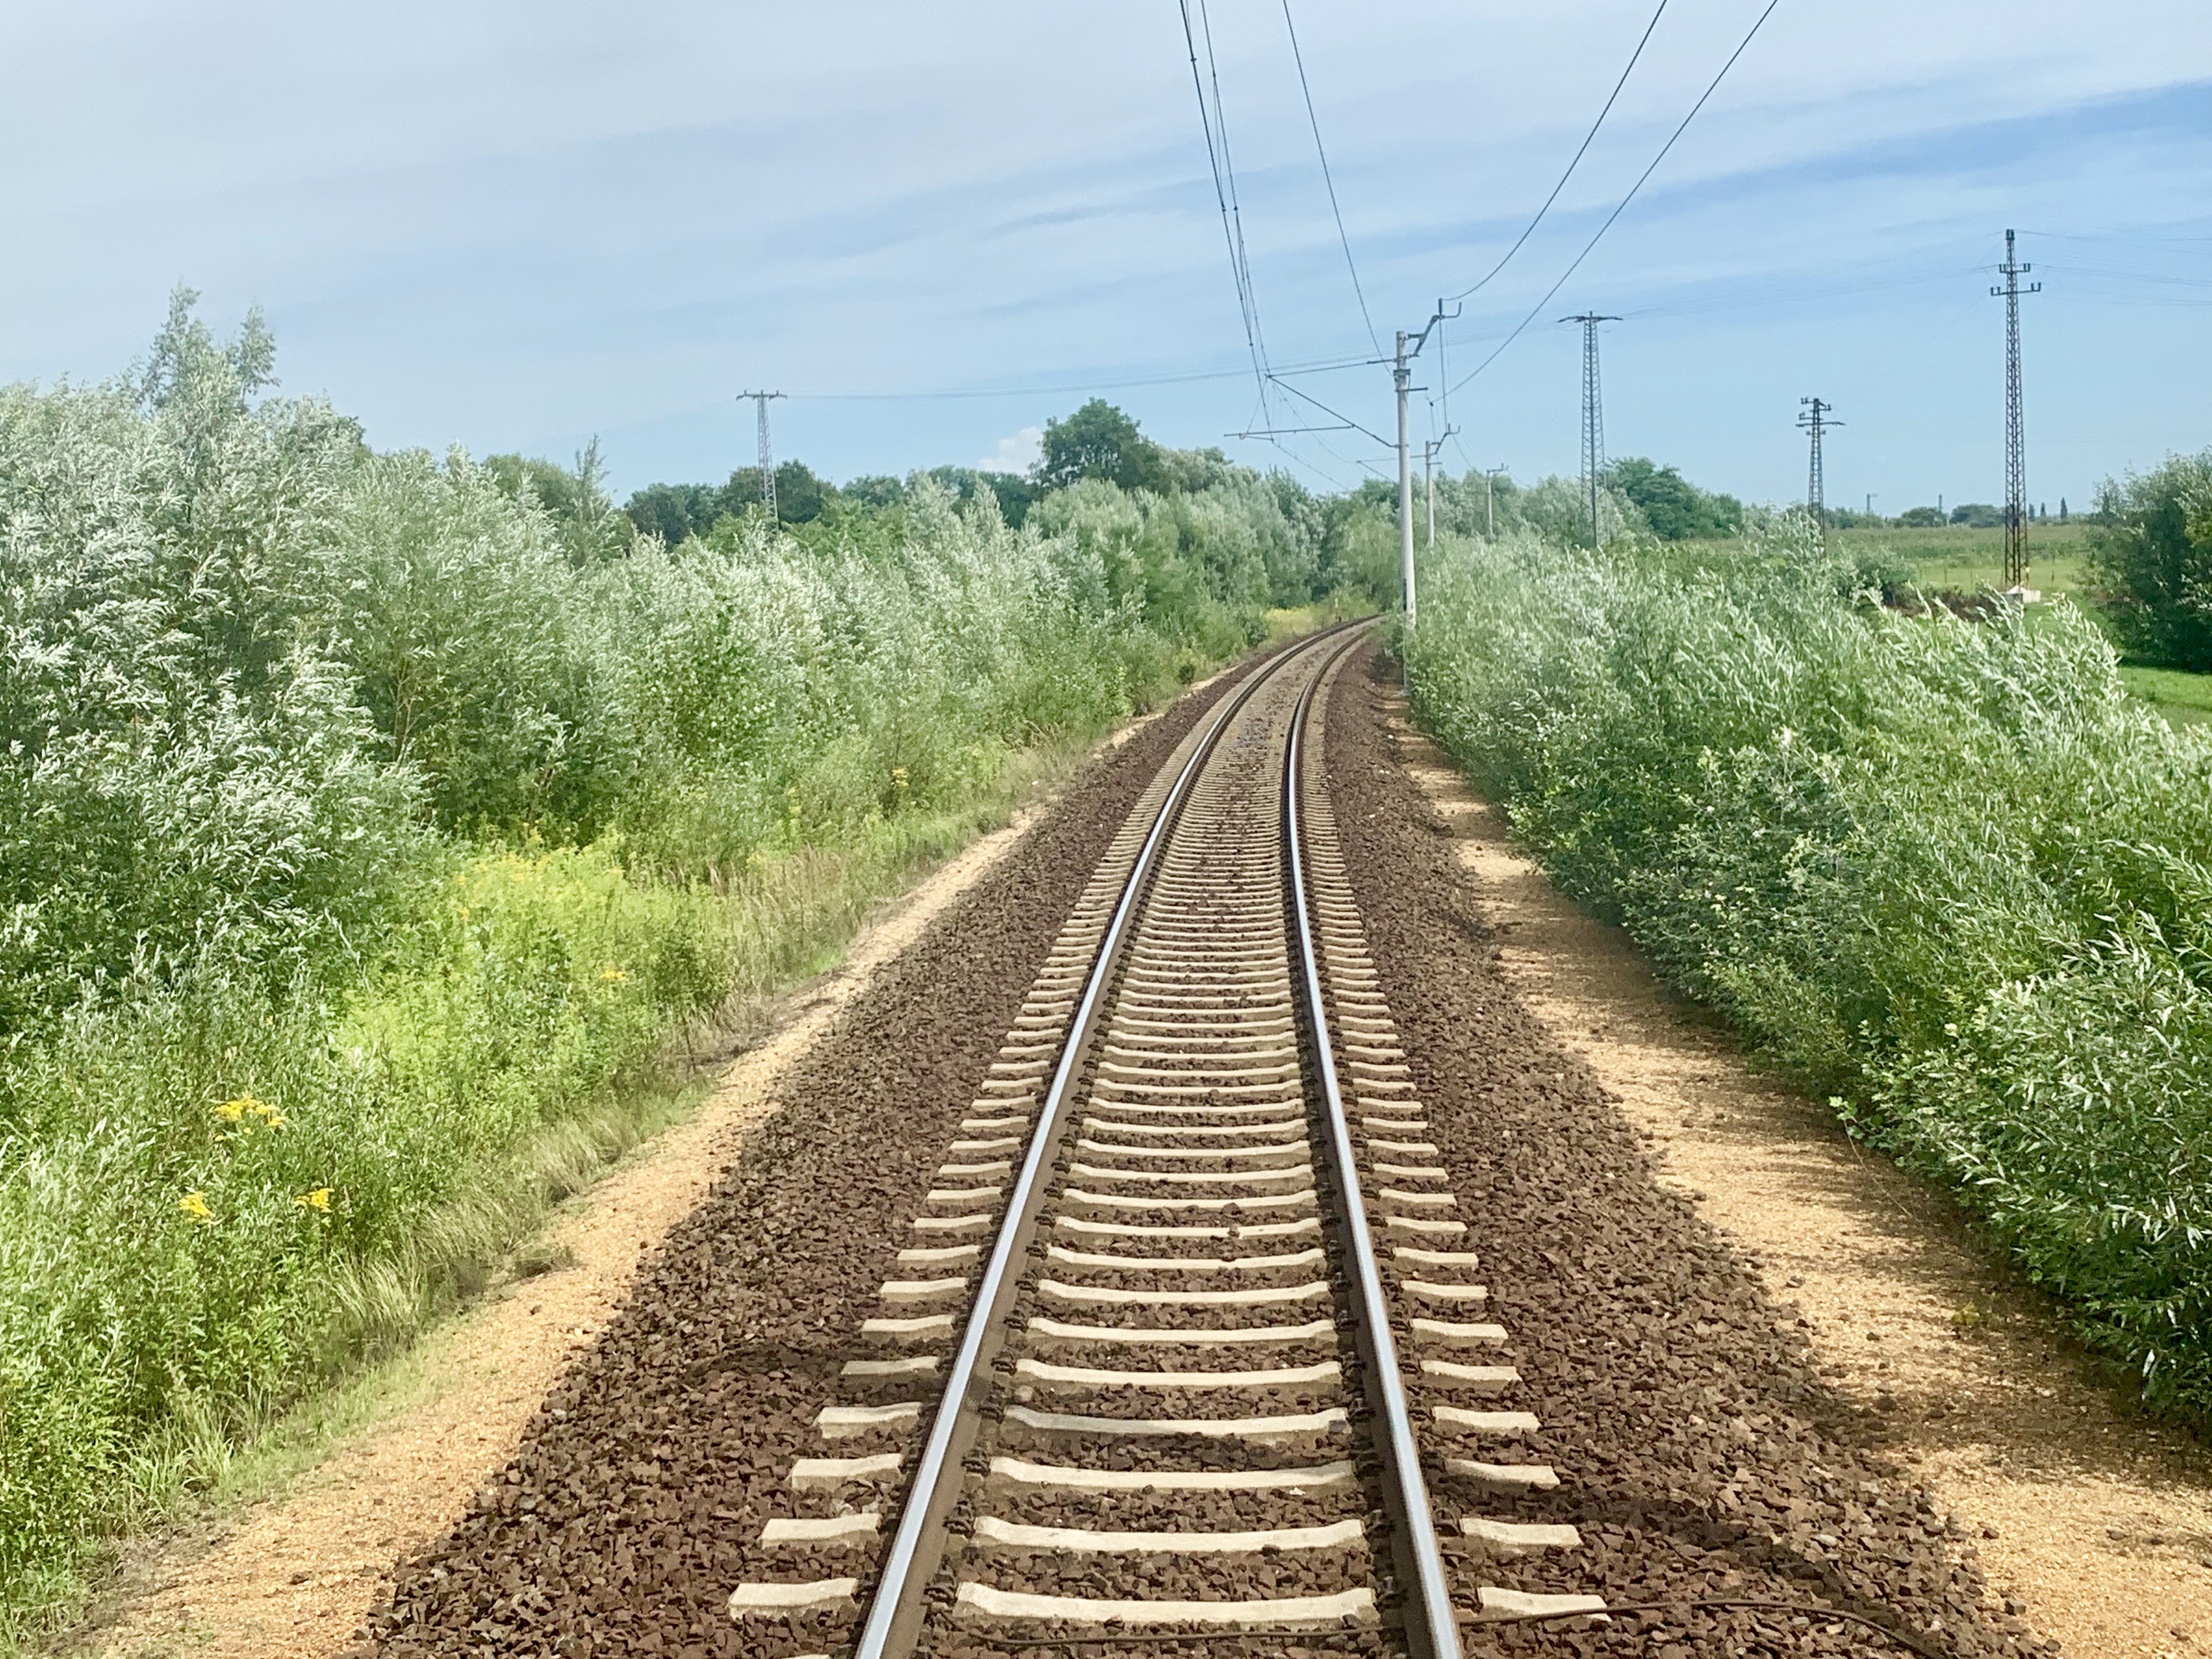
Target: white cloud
(1016,454)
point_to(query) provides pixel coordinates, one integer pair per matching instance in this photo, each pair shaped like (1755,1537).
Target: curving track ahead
(1191,1321)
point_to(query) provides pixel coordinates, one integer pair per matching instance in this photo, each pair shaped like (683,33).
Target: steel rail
(1435,1633)
(895,1611)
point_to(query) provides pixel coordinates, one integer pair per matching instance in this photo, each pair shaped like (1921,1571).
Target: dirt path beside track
(2098,1523)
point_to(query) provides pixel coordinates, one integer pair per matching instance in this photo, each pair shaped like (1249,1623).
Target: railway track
(1190,1339)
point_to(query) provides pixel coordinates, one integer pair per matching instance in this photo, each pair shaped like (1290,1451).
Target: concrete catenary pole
(1403,374)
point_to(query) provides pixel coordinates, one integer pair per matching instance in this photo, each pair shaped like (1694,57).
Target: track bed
(1188,1252)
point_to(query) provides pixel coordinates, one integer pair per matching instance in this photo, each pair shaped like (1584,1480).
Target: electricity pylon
(767,459)
(1592,413)
(1815,419)
(2015,423)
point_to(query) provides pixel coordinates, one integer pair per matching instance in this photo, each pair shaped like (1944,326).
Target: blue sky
(515,226)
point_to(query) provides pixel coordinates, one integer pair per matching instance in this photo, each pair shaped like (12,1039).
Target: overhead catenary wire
(1328,178)
(1205,83)
(1217,156)
(1349,423)
(1241,254)
(1537,309)
(1588,139)
(1213,119)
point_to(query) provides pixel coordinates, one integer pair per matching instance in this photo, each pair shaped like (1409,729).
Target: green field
(1955,558)
(2184,699)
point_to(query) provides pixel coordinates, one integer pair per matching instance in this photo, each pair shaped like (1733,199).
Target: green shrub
(370,824)
(1943,871)
(1676,509)
(2150,562)
(185,775)
(196,1189)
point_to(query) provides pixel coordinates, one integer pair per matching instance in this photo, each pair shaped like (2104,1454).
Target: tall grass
(213,1201)
(1948,872)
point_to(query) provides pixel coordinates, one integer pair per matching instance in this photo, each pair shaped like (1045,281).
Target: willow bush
(2150,562)
(1945,872)
(365,834)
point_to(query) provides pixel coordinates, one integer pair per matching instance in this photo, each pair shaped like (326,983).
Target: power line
(1223,194)
(2129,238)
(1742,294)
(1313,121)
(1329,367)
(1587,138)
(1325,366)
(1022,391)
(1537,309)
(2157,278)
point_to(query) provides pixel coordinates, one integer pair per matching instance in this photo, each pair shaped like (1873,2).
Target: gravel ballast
(1699,1453)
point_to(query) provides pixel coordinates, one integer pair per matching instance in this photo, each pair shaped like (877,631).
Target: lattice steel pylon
(2015,421)
(1592,413)
(1815,417)
(767,457)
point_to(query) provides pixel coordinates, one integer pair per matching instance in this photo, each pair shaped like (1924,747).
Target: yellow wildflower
(613,973)
(195,1205)
(236,1111)
(318,1200)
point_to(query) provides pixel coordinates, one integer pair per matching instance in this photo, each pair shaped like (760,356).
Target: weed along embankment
(374,826)
(1943,872)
